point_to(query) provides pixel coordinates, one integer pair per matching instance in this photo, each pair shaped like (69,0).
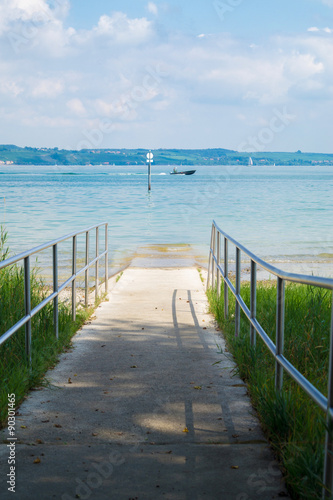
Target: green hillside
(11,154)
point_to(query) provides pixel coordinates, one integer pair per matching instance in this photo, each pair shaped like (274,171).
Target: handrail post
(213,260)
(328,459)
(86,274)
(279,333)
(218,257)
(253,301)
(106,259)
(210,256)
(226,271)
(55,289)
(238,286)
(27,307)
(96,266)
(74,280)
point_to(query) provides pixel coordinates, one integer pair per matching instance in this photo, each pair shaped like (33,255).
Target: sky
(247,75)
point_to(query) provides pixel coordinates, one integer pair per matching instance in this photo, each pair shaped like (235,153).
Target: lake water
(282,214)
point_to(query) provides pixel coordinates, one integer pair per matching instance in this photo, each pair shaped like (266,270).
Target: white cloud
(121,29)
(48,88)
(76,107)
(314,29)
(302,66)
(152,8)
(26,16)
(10,88)
(27,24)
(24,10)
(110,109)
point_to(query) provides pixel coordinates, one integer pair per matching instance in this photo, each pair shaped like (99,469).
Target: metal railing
(57,288)
(215,272)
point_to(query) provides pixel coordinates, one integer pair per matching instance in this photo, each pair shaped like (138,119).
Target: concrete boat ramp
(139,408)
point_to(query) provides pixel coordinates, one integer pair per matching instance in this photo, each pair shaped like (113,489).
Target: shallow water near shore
(282,214)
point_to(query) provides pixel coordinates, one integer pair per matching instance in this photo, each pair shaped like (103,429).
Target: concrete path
(138,409)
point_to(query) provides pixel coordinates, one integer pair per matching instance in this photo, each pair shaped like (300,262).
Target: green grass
(293,423)
(119,276)
(15,374)
(200,274)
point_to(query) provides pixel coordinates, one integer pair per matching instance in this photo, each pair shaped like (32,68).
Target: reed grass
(294,425)
(15,374)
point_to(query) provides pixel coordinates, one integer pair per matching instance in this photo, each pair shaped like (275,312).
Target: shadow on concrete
(140,411)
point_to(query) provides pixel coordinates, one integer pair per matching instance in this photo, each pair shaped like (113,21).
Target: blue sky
(250,18)
(249,75)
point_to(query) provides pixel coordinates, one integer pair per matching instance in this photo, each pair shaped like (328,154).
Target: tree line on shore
(15,155)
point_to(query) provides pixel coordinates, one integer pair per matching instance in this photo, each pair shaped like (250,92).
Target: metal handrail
(57,288)
(281,363)
(44,246)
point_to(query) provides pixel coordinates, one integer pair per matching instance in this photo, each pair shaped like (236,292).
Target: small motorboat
(183,172)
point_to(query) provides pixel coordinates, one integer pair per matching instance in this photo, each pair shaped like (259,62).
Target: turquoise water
(280,213)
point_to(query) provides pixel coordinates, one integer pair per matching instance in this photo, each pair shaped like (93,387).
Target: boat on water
(250,163)
(183,172)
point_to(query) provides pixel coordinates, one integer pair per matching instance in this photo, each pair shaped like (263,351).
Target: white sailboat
(250,162)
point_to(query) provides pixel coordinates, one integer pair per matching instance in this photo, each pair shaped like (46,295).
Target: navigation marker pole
(149,161)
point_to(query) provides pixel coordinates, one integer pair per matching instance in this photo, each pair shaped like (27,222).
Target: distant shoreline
(14,155)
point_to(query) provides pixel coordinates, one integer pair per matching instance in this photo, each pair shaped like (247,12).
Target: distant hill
(11,154)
